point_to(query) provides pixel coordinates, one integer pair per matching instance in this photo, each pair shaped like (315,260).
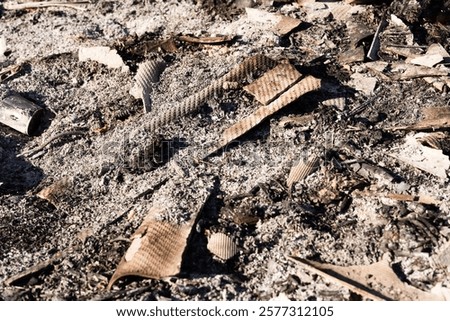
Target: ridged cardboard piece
(157,246)
(222,246)
(273,83)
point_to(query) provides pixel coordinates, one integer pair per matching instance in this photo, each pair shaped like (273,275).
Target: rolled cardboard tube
(20,114)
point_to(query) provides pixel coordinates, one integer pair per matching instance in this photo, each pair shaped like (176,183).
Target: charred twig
(44,4)
(361,107)
(118,218)
(341,280)
(207,40)
(51,139)
(27,273)
(124,293)
(9,72)
(151,189)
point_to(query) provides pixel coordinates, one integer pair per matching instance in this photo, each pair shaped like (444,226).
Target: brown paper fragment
(338,102)
(279,24)
(273,83)
(55,192)
(432,113)
(376,281)
(351,56)
(155,252)
(286,25)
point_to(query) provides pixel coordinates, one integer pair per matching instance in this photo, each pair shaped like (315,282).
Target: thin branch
(45,4)
(35,269)
(343,281)
(51,139)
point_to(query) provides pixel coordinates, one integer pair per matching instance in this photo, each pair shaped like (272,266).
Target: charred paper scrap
(56,192)
(156,250)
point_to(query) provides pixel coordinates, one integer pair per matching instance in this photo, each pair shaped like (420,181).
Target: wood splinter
(207,40)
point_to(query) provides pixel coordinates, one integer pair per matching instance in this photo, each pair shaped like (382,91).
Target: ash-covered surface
(110,174)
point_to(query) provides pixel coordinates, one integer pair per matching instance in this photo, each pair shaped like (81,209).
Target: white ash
(181,198)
